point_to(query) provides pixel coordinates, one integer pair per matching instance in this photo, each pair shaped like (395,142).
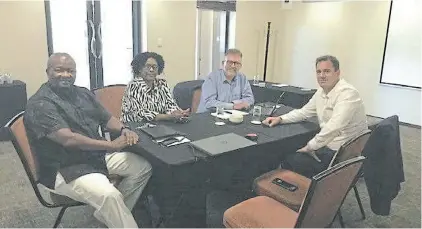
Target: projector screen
(402,52)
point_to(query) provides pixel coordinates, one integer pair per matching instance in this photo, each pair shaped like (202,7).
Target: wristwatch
(123,127)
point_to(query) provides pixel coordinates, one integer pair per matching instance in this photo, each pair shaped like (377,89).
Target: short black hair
(140,59)
(333,59)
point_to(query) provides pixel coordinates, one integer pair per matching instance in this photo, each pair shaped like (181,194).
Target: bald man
(62,123)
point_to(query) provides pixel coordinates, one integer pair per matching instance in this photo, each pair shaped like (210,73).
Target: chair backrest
(20,142)
(196,99)
(184,94)
(351,149)
(28,158)
(111,98)
(26,154)
(327,193)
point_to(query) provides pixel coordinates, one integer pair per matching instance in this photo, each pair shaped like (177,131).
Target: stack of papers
(259,84)
(221,116)
(280,85)
(172,141)
(236,112)
(227,113)
(306,89)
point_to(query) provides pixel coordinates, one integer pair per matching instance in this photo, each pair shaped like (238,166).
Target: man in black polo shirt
(62,123)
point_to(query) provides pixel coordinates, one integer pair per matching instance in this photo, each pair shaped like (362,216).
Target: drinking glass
(256,113)
(219,112)
(255,80)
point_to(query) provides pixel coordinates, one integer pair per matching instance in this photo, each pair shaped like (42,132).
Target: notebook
(160,131)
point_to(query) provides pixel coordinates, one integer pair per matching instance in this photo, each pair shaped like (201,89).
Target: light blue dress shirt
(218,91)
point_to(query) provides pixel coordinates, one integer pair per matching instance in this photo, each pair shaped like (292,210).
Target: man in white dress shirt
(341,115)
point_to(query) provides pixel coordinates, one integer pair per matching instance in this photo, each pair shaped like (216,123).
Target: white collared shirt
(341,115)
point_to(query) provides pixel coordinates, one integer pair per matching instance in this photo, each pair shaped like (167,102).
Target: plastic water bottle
(255,79)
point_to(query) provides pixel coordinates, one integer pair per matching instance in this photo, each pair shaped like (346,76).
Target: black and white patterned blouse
(141,102)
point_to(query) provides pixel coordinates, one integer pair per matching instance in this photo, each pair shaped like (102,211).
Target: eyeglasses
(153,66)
(230,63)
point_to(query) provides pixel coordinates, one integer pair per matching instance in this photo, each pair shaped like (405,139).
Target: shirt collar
(224,79)
(144,85)
(333,91)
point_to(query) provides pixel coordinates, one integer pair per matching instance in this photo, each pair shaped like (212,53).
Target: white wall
(352,31)
(366,57)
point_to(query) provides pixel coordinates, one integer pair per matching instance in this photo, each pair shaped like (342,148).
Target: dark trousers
(306,165)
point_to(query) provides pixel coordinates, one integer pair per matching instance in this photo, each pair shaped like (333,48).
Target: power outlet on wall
(160,42)
(286,4)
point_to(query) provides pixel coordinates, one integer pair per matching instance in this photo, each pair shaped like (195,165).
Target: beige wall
(251,27)
(23,44)
(175,23)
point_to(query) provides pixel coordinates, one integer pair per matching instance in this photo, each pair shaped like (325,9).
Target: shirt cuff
(171,109)
(284,119)
(228,106)
(151,115)
(313,145)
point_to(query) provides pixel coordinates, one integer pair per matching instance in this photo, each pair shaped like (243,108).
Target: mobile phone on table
(285,184)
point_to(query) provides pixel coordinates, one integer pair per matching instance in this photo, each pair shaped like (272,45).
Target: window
(102,37)
(216,26)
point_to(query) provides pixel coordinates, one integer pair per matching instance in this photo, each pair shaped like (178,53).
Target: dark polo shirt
(47,112)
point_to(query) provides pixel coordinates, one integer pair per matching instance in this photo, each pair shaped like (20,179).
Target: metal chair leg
(340,218)
(359,202)
(59,217)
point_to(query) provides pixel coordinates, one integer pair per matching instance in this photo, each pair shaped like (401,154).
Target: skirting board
(401,123)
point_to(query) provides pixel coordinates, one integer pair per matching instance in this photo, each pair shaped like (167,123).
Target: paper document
(222,116)
(236,112)
(184,140)
(280,85)
(178,140)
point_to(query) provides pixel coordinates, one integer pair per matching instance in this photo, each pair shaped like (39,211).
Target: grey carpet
(19,206)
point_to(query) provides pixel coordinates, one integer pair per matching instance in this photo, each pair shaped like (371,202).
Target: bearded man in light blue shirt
(227,87)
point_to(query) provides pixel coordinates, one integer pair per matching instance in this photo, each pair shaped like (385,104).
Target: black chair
(188,94)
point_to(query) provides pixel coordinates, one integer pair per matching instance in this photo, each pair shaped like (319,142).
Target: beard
(63,86)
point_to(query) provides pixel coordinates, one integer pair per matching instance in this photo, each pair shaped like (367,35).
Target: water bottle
(7,78)
(256,80)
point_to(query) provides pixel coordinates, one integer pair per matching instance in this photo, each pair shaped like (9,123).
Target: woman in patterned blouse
(146,97)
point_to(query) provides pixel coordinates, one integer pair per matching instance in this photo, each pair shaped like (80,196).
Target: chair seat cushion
(260,212)
(263,186)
